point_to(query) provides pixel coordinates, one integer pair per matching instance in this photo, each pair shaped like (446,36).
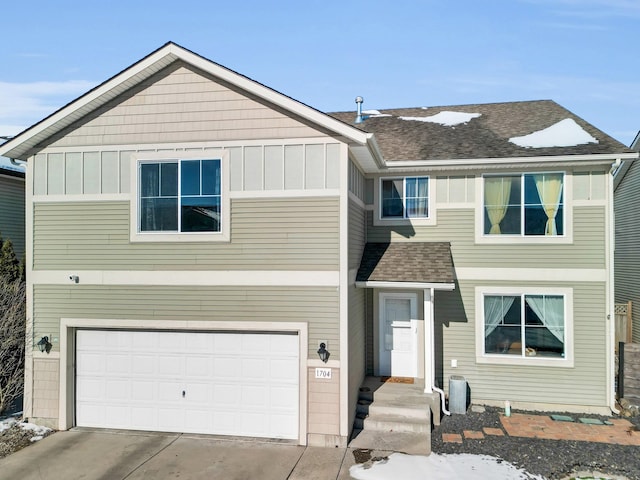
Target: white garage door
(215,383)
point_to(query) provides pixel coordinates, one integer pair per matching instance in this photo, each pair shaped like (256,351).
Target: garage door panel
(234,383)
(94,363)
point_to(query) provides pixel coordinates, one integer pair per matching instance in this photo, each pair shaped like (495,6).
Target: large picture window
(527,204)
(524,325)
(180,196)
(405,198)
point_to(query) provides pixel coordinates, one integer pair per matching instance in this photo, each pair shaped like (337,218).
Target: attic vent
(359,101)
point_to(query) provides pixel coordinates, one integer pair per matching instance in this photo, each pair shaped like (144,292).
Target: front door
(398,335)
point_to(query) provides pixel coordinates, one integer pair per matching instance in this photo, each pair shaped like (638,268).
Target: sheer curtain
(496,199)
(549,187)
(550,310)
(495,308)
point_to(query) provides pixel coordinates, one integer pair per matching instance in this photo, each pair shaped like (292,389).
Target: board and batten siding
(181,104)
(318,306)
(457,226)
(275,167)
(12,213)
(275,234)
(582,385)
(627,254)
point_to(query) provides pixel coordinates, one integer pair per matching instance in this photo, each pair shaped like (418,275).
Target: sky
(401,53)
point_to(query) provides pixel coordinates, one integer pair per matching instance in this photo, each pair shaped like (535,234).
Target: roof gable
(29,141)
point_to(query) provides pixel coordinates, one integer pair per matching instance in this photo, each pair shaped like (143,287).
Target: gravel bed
(553,459)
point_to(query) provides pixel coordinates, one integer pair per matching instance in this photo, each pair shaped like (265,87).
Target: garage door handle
(183,393)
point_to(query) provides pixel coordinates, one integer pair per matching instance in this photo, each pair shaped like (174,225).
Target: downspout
(432,373)
(611,294)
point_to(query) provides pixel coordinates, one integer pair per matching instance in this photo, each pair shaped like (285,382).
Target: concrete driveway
(109,455)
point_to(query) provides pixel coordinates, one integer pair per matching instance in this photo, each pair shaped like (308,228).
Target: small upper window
(180,196)
(405,197)
(528,204)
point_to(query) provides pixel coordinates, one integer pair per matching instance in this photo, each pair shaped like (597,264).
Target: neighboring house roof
(437,133)
(407,262)
(11,172)
(624,168)
(34,138)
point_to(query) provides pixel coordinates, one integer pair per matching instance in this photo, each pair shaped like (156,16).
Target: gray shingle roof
(423,262)
(486,136)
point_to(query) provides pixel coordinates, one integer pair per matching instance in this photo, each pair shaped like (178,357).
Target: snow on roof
(375,113)
(448,119)
(565,133)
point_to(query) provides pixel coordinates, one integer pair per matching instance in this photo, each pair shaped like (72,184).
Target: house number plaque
(323,373)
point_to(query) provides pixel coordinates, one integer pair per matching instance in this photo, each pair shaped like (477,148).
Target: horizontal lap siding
(585,384)
(266,234)
(627,256)
(458,226)
(12,213)
(182,104)
(318,307)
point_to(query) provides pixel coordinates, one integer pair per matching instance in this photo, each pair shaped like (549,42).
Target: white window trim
(223,235)
(379,220)
(481,357)
(567,238)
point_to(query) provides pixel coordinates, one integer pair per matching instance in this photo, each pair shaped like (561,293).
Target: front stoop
(393,417)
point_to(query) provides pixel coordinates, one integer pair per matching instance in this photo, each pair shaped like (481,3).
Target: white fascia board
(406,285)
(519,161)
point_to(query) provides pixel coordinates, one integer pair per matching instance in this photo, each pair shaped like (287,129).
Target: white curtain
(550,310)
(549,187)
(495,308)
(496,199)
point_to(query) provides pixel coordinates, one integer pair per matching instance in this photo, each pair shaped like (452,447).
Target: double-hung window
(524,325)
(403,198)
(530,204)
(180,196)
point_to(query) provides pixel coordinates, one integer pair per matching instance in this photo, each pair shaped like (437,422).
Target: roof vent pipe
(359,101)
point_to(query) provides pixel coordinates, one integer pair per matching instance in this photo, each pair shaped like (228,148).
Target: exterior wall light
(44,345)
(323,353)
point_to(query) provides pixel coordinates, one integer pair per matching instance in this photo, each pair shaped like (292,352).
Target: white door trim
(67,347)
(413,302)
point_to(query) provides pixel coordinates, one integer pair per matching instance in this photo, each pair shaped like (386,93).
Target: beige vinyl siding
(457,226)
(318,306)
(323,414)
(357,237)
(12,213)
(585,384)
(275,234)
(181,104)
(357,345)
(627,254)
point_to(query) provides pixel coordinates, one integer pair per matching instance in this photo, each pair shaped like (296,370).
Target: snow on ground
(448,119)
(565,133)
(38,431)
(440,467)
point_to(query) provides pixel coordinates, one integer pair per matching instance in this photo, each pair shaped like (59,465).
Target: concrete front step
(393,423)
(404,442)
(377,409)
